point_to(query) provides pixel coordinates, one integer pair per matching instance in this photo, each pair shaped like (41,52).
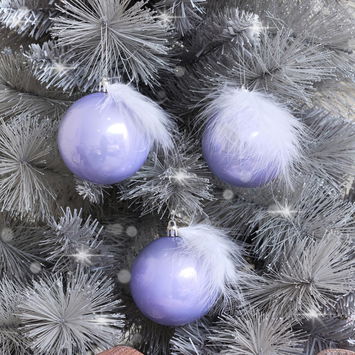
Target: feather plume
(221,256)
(146,114)
(236,117)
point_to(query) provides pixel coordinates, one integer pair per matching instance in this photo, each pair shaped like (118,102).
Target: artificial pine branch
(94,193)
(193,339)
(12,340)
(29,180)
(71,314)
(255,332)
(72,241)
(299,240)
(27,17)
(309,213)
(22,94)
(111,39)
(184,14)
(51,65)
(20,250)
(331,151)
(311,275)
(179,181)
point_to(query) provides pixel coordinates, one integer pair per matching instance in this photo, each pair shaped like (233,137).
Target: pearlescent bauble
(99,140)
(241,171)
(250,139)
(168,284)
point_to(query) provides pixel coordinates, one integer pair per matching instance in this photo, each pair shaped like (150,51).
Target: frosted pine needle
(183,14)
(72,240)
(51,65)
(334,324)
(21,93)
(311,277)
(325,22)
(255,332)
(328,332)
(111,39)
(27,154)
(225,32)
(71,315)
(11,338)
(89,191)
(19,250)
(284,67)
(309,212)
(331,153)
(27,17)
(192,339)
(179,182)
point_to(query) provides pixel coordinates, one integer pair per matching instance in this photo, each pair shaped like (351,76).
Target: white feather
(146,113)
(252,124)
(221,257)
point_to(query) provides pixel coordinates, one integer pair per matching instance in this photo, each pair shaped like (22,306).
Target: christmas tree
(228,121)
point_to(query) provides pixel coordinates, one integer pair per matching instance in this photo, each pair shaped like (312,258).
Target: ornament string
(242,73)
(104,61)
(105,79)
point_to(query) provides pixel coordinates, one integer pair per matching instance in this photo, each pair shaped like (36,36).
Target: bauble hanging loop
(106,137)
(172,228)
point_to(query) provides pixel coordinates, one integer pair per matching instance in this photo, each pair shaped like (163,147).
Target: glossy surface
(99,141)
(168,285)
(241,171)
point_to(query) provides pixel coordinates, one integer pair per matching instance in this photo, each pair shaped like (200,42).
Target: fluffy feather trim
(249,124)
(221,257)
(146,113)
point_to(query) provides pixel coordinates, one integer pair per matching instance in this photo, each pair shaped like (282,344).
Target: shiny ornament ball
(168,284)
(238,170)
(99,140)
(250,139)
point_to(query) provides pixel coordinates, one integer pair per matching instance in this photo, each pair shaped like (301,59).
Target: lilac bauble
(250,139)
(99,140)
(241,171)
(169,285)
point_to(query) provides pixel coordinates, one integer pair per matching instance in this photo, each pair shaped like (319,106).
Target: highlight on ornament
(249,138)
(177,279)
(106,137)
